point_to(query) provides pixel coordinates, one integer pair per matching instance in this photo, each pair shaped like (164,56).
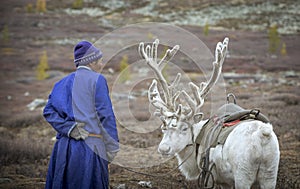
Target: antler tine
(168,56)
(220,54)
(150,55)
(204,88)
(154,96)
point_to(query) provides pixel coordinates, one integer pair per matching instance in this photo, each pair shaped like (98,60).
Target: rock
(237,76)
(90,11)
(273,56)
(111,71)
(5,180)
(26,93)
(146,184)
(123,96)
(36,103)
(290,74)
(120,186)
(55,74)
(40,25)
(26,80)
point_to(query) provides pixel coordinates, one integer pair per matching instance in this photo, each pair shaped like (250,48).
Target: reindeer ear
(197,117)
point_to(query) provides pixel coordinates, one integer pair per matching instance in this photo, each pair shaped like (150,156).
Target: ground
(259,79)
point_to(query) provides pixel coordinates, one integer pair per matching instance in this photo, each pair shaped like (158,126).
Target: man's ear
(92,63)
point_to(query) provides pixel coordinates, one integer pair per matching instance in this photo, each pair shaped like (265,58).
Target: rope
(161,175)
(203,178)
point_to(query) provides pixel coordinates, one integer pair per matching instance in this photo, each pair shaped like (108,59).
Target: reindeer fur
(251,151)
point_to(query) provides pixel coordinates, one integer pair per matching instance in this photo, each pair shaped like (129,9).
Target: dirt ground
(258,78)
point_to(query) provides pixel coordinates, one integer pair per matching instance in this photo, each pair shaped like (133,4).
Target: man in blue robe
(80,110)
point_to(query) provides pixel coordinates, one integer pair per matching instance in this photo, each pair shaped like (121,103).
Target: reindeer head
(177,120)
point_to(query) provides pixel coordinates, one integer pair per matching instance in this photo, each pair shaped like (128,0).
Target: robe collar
(84,67)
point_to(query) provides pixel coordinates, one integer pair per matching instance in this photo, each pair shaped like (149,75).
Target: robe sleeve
(58,119)
(106,115)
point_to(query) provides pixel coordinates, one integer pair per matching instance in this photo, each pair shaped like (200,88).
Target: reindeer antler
(167,107)
(150,55)
(201,91)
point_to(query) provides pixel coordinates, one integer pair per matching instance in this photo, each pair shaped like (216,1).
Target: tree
(124,71)
(274,39)
(41,6)
(41,73)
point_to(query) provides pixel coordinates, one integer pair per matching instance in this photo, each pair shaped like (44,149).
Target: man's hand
(79,132)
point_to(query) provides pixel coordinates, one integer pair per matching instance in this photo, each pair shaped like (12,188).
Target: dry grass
(24,154)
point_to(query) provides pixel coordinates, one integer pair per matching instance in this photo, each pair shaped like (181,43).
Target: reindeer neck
(187,157)
(188,163)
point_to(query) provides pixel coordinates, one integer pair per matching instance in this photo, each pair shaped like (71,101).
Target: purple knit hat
(85,53)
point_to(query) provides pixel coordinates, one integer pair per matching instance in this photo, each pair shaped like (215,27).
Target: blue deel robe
(82,96)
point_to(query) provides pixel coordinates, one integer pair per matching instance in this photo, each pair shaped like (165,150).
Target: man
(80,110)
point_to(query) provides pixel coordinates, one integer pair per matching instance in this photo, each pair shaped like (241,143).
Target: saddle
(218,127)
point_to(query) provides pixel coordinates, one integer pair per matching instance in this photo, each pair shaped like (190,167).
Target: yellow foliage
(77,4)
(124,63)
(206,29)
(41,73)
(150,35)
(274,39)
(29,8)
(125,72)
(283,49)
(5,34)
(41,6)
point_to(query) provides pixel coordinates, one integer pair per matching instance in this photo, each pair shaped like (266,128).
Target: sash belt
(95,135)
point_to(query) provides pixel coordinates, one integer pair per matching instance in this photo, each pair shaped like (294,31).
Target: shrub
(29,8)
(42,67)
(150,35)
(283,49)
(77,4)
(41,6)
(5,34)
(206,29)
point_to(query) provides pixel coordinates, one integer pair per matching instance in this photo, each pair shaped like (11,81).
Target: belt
(95,135)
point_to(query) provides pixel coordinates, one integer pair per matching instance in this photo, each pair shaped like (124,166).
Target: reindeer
(250,153)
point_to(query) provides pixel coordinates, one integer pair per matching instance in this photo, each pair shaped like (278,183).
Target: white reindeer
(250,153)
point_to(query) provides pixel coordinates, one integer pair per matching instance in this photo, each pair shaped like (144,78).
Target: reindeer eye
(163,127)
(185,129)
